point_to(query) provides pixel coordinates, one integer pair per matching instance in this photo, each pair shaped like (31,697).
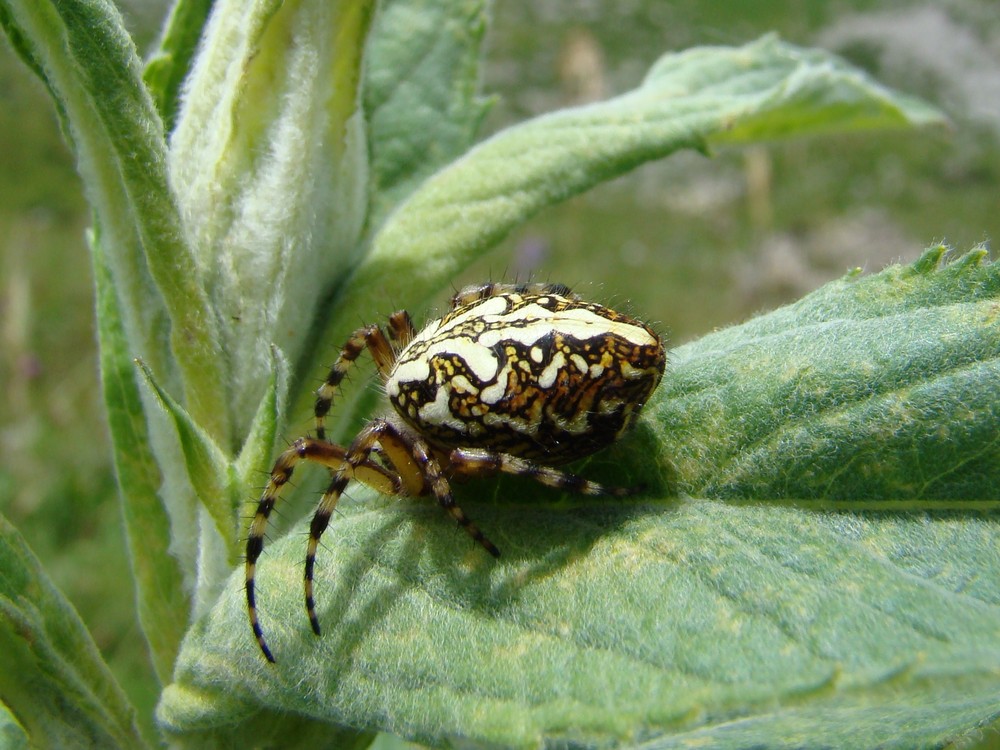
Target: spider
(515,379)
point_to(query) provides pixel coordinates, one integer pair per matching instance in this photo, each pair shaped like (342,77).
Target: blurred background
(692,243)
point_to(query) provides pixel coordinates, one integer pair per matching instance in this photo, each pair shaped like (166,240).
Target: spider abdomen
(534,375)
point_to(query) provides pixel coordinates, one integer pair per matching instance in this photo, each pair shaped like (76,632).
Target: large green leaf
(52,678)
(689,99)
(880,388)
(623,621)
(695,99)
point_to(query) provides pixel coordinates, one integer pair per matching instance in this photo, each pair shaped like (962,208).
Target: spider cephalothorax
(514,379)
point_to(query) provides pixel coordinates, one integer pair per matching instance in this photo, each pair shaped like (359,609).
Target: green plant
(817,557)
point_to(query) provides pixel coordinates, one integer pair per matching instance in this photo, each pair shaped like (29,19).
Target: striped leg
(371,337)
(381,432)
(442,492)
(401,328)
(477,463)
(304,449)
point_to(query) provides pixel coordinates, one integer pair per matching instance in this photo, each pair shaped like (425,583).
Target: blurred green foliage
(730,236)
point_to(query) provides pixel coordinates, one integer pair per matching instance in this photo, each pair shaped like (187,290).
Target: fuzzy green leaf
(208,469)
(624,621)
(169,65)
(772,90)
(764,90)
(689,99)
(259,445)
(52,677)
(421,92)
(162,604)
(612,623)
(880,388)
(34,31)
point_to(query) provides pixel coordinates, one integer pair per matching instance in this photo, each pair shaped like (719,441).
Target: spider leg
(439,485)
(477,462)
(401,328)
(370,337)
(427,473)
(304,449)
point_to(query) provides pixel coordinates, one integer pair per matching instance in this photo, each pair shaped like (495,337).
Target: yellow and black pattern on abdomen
(514,380)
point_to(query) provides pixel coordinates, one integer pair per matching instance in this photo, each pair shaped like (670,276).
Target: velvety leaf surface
(421,92)
(170,63)
(876,388)
(268,160)
(207,466)
(679,618)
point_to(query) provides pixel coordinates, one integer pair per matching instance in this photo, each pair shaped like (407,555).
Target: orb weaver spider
(515,379)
